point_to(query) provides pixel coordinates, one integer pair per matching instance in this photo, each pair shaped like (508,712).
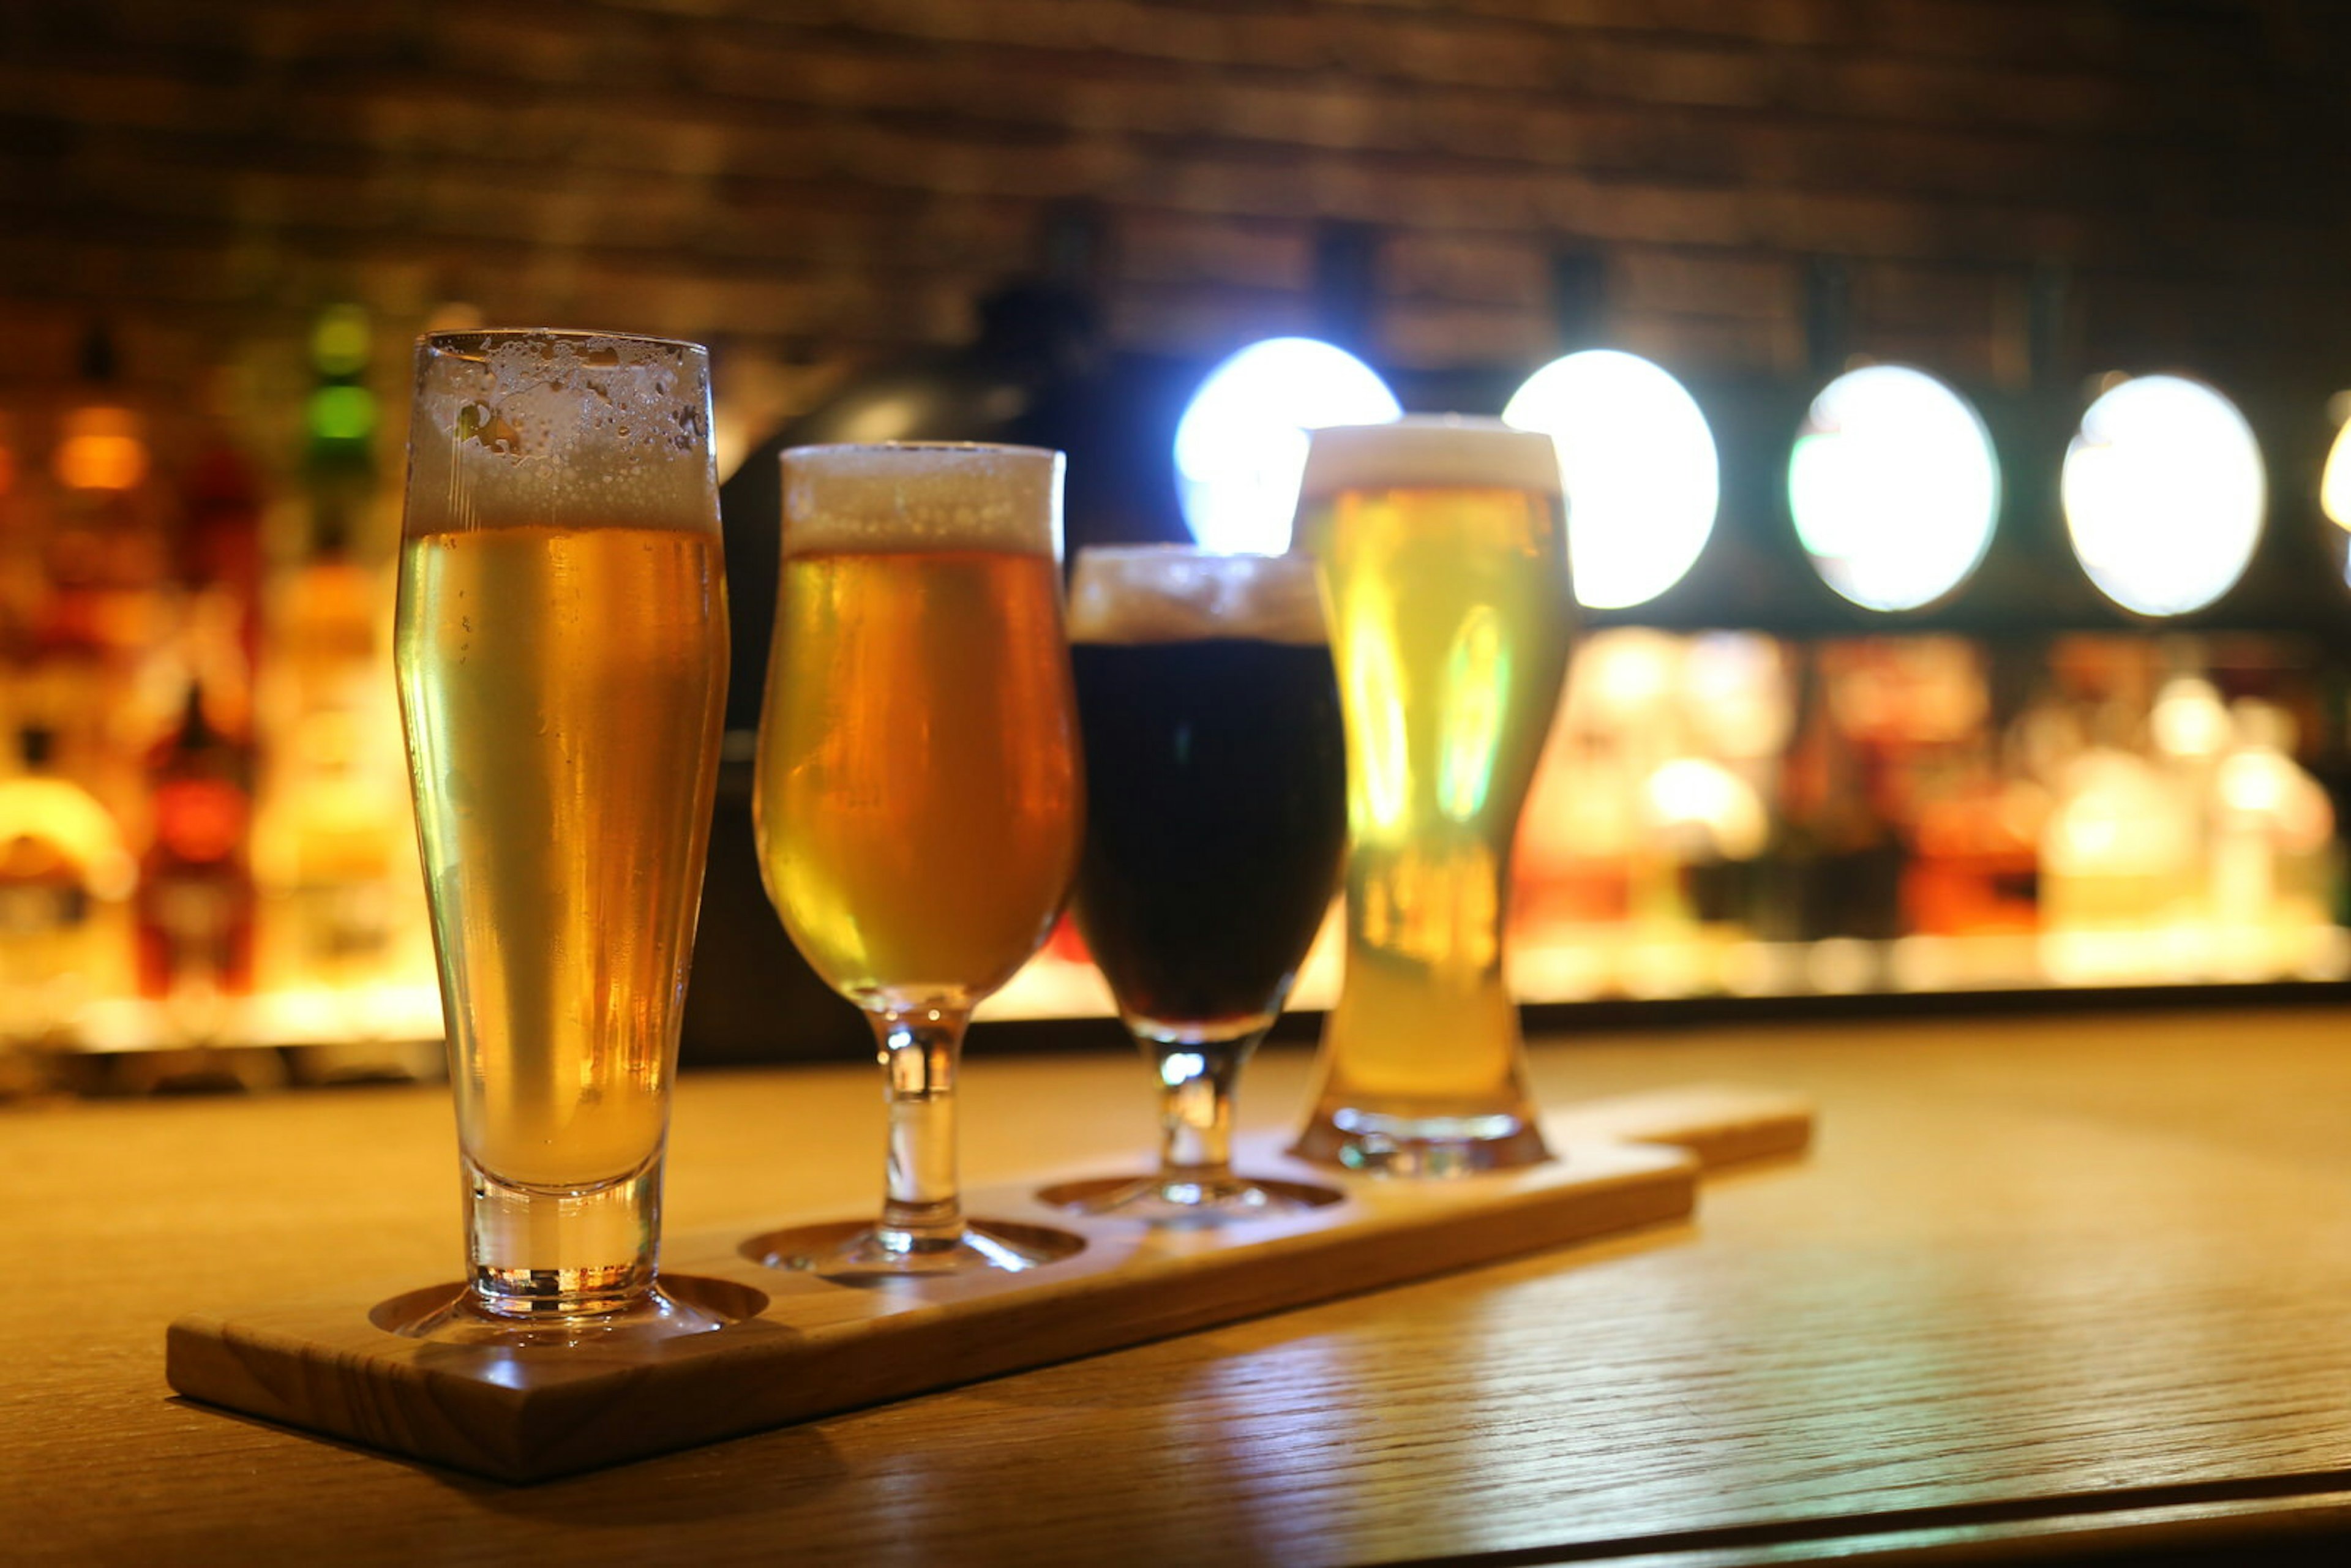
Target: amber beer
(560,646)
(564,684)
(917,796)
(1443,556)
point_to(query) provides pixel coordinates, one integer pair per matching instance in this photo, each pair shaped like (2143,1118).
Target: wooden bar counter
(2048,1287)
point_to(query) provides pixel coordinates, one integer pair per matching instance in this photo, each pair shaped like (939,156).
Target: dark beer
(1216,821)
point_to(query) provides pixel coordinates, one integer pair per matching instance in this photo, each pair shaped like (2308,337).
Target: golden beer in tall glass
(562,652)
(1442,550)
(918,796)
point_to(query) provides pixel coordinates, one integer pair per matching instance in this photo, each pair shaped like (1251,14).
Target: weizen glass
(1443,551)
(919,798)
(561,650)
(1215,818)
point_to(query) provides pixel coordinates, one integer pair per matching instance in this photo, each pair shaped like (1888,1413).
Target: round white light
(1894,487)
(1639,468)
(2164,494)
(1240,447)
(2334,484)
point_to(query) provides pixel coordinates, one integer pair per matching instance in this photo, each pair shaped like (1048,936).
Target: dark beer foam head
(538,425)
(1175,593)
(1429,451)
(904,495)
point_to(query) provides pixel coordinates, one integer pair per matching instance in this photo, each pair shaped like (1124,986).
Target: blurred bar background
(220,225)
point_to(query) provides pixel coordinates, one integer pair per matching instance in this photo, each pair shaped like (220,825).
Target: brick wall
(814,183)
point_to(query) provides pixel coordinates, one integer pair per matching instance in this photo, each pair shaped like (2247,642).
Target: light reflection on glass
(1368,664)
(1476,685)
(2164,494)
(1240,447)
(1178,1068)
(1894,487)
(1639,466)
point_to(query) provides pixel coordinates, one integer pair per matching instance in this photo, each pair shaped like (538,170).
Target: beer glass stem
(920,1047)
(1196,1106)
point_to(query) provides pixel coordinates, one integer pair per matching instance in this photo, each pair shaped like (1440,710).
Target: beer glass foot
(868,1255)
(1178,1200)
(653,1315)
(1374,1143)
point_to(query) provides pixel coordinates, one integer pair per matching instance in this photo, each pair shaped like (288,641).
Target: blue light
(1240,447)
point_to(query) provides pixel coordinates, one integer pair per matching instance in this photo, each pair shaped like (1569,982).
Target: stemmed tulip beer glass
(918,796)
(562,652)
(1213,838)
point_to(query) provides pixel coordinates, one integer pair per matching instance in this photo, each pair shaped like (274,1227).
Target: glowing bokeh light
(1240,447)
(1894,487)
(341,414)
(342,340)
(1639,466)
(2164,494)
(2335,488)
(100,448)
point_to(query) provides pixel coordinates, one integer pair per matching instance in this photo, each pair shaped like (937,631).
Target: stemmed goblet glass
(1214,828)
(918,796)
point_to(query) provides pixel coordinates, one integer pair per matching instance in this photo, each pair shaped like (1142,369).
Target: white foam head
(1429,451)
(1177,593)
(548,427)
(907,495)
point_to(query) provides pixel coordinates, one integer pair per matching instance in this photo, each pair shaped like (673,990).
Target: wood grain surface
(799,1346)
(2075,1280)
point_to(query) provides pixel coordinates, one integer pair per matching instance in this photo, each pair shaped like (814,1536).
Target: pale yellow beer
(564,688)
(919,791)
(1443,559)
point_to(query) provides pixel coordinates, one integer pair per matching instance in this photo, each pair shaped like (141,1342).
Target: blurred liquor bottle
(99,628)
(335,833)
(1833,866)
(2273,861)
(65,874)
(216,558)
(336,820)
(195,902)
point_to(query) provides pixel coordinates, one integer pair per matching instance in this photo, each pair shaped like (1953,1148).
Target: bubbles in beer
(538,421)
(1158,593)
(1431,452)
(900,497)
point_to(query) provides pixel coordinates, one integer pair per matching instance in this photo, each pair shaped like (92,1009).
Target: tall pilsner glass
(1442,550)
(561,650)
(918,797)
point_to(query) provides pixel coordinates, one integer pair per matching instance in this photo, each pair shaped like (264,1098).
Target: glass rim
(975,448)
(447,342)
